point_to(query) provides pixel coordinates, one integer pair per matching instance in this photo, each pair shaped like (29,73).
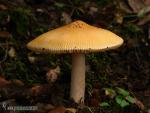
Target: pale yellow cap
(76,37)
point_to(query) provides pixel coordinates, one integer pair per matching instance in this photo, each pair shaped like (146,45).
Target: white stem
(78,78)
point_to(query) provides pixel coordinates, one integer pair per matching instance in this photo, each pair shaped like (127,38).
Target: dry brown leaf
(144,20)
(35,90)
(124,6)
(66,18)
(119,18)
(147,2)
(12,52)
(71,110)
(93,10)
(3,7)
(139,104)
(143,12)
(48,107)
(5,34)
(140,7)
(136,5)
(39,89)
(17,82)
(32,59)
(52,74)
(3,82)
(60,109)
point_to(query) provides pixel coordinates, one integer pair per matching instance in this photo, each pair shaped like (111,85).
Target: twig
(137,56)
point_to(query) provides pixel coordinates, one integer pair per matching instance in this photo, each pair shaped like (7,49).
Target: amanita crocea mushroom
(76,38)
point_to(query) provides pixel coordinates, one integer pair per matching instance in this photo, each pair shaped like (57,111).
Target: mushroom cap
(76,37)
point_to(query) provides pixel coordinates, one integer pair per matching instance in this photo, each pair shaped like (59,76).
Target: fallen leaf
(147,2)
(35,90)
(12,52)
(60,109)
(139,104)
(5,34)
(3,7)
(17,82)
(39,89)
(143,12)
(32,59)
(71,110)
(48,107)
(66,18)
(144,20)
(52,74)
(142,8)
(130,99)
(124,6)
(119,18)
(144,15)
(136,5)
(3,82)
(93,10)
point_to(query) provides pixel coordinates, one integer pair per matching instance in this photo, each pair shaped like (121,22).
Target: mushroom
(76,38)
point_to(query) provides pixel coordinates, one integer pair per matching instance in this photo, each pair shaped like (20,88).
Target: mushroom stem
(78,78)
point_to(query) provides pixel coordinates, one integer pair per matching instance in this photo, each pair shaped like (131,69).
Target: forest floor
(112,76)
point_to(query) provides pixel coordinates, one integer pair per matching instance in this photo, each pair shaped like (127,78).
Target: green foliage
(16,69)
(119,96)
(98,63)
(121,101)
(20,16)
(122,91)
(59,4)
(104,104)
(40,30)
(132,28)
